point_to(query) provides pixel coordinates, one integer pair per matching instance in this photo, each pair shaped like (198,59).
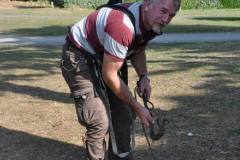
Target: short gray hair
(176,2)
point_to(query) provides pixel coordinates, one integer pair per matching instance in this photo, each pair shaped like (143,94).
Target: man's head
(158,13)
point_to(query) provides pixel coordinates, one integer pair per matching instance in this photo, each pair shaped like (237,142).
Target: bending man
(108,35)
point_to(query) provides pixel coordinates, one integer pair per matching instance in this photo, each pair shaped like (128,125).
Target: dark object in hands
(161,127)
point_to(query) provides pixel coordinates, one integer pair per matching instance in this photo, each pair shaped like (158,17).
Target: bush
(197,4)
(230,3)
(80,3)
(188,4)
(31,0)
(208,4)
(85,3)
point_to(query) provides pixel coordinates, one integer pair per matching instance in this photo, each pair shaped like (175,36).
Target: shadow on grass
(30,7)
(23,146)
(42,93)
(211,116)
(189,57)
(217,18)
(199,28)
(34,63)
(53,30)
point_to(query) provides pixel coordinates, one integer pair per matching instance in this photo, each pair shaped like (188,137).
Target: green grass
(220,20)
(45,11)
(49,21)
(237,130)
(196,86)
(215,20)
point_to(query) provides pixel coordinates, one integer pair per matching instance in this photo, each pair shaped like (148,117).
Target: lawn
(44,20)
(195,86)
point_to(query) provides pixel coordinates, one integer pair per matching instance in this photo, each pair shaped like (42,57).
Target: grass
(237,130)
(195,86)
(214,20)
(42,21)
(54,21)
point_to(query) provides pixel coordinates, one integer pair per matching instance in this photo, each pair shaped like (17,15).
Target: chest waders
(96,72)
(94,64)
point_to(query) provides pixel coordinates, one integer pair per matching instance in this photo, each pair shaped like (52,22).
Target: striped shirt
(111,32)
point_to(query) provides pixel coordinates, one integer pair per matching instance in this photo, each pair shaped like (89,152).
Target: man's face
(159,15)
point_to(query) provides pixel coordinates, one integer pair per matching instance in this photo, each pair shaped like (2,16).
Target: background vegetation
(44,20)
(186,4)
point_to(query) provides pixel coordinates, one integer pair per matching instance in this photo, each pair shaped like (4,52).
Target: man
(108,35)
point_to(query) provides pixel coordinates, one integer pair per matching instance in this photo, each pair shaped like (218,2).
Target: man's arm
(139,63)
(110,76)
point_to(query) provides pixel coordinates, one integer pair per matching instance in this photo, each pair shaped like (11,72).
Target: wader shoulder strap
(114,1)
(127,12)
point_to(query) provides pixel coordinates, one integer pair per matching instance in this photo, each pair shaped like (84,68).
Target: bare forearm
(139,63)
(121,90)
(110,69)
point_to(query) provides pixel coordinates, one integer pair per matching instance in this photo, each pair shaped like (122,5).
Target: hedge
(85,3)
(32,0)
(186,4)
(230,3)
(208,4)
(80,3)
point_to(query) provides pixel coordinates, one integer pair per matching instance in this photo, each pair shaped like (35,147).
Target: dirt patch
(6,4)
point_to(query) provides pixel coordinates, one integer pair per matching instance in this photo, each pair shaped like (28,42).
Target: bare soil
(7,4)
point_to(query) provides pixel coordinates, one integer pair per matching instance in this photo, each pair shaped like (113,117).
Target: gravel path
(165,38)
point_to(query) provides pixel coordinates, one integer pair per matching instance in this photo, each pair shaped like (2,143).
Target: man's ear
(146,8)
(146,5)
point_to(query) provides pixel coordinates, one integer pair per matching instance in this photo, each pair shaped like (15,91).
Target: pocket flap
(78,91)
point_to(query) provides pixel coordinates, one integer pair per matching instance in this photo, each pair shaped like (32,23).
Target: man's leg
(90,110)
(92,115)
(122,121)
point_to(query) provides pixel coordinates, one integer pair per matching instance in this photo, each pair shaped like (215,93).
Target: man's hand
(145,116)
(144,87)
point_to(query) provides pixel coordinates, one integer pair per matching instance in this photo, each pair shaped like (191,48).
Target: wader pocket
(76,73)
(78,91)
(62,64)
(71,61)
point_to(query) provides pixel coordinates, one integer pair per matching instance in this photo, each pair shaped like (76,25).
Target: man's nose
(165,18)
